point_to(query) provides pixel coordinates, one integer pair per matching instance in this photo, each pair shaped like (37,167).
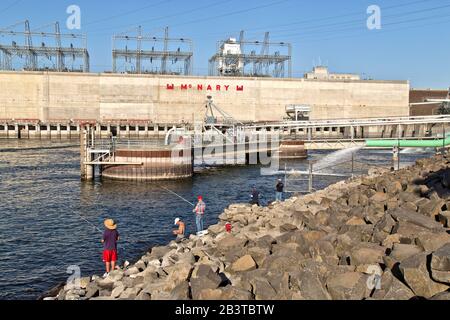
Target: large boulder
(440,264)
(444,218)
(310,287)
(392,288)
(130,282)
(180,292)
(385,224)
(361,233)
(442,296)
(118,291)
(177,274)
(379,197)
(259,254)
(262,289)
(143,296)
(417,276)
(157,253)
(407,232)
(401,252)
(415,218)
(92,290)
(355,221)
(348,286)
(216,229)
(324,250)
(394,187)
(204,277)
(367,254)
(227,293)
(432,208)
(280,282)
(130,294)
(230,243)
(431,241)
(245,263)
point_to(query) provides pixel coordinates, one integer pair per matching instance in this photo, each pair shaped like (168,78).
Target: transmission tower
(139,53)
(251,58)
(56,51)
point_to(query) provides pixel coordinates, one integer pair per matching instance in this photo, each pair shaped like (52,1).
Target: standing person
(110,238)
(255,196)
(279,191)
(180,233)
(199,213)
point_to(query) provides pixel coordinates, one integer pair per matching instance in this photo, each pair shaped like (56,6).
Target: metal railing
(357,122)
(114,144)
(303,181)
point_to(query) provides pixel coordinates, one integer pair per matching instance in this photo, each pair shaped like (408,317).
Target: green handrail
(408,143)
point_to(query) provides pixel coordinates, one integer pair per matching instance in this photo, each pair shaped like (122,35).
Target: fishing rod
(177,195)
(90,223)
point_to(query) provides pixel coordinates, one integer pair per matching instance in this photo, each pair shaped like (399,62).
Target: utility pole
(30,64)
(166,48)
(139,51)
(59,55)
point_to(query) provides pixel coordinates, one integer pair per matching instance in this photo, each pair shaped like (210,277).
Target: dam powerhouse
(151,82)
(53,97)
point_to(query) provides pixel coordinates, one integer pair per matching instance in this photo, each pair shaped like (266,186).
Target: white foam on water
(416,150)
(335,158)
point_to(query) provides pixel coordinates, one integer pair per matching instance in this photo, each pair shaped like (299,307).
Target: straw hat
(110,224)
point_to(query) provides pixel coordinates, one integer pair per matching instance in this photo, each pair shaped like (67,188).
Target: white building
(231,62)
(322,73)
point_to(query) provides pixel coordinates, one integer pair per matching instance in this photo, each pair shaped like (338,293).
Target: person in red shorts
(110,238)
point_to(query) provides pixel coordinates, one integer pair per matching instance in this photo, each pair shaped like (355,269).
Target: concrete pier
(150,165)
(292,150)
(86,169)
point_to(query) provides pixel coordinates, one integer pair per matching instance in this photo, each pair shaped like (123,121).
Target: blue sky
(413,43)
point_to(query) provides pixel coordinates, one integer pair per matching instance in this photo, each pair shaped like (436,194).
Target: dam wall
(50,96)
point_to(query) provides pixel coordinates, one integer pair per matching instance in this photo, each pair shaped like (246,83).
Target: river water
(42,199)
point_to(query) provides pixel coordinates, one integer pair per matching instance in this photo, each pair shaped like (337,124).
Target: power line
(365,19)
(365,34)
(166,16)
(316,29)
(356,13)
(10,6)
(231,13)
(153,5)
(360,21)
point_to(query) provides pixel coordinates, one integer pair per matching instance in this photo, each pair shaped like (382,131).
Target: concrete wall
(77,96)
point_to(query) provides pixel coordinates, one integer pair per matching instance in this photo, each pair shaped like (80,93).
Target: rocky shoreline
(381,236)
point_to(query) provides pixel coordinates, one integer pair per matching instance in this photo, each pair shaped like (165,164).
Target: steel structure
(242,58)
(55,52)
(151,55)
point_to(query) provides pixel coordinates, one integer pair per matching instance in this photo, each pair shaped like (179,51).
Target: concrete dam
(58,98)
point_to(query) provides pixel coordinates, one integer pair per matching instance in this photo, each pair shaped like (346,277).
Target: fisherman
(279,191)
(180,233)
(255,196)
(199,211)
(109,240)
